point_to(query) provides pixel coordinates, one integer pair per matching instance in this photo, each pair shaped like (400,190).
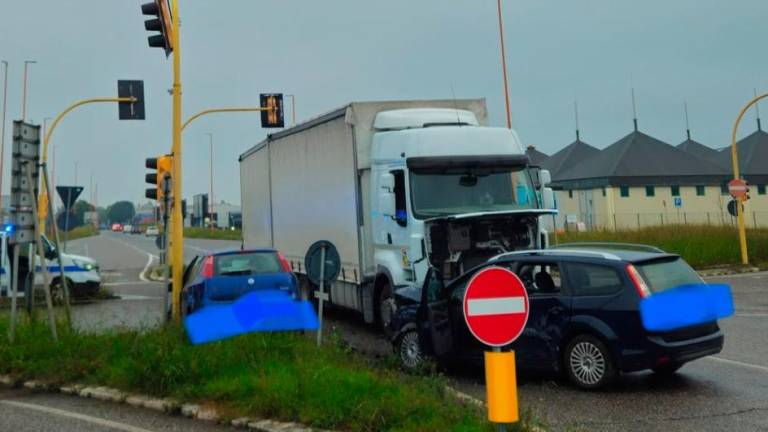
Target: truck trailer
(397,187)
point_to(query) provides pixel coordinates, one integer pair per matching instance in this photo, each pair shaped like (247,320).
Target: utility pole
(2,127)
(177,222)
(504,66)
(210,201)
(24,92)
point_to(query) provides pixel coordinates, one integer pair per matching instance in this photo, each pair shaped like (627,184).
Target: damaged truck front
(398,187)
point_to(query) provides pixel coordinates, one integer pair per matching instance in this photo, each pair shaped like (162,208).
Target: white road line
(85,245)
(495,306)
(82,417)
(149,261)
(136,297)
(738,363)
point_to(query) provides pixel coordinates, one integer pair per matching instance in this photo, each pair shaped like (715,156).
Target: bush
(700,245)
(214,234)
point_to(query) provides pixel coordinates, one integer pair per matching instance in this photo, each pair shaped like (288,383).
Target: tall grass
(215,234)
(700,245)
(87,230)
(280,376)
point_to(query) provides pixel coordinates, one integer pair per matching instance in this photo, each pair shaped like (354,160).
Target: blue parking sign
(678,202)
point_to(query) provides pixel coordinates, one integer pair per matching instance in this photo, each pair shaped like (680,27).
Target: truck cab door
(436,322)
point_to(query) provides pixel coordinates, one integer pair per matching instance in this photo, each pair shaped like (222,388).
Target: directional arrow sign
(496,306)
(69,194)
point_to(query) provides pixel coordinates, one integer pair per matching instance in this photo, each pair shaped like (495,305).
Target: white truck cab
(82,273)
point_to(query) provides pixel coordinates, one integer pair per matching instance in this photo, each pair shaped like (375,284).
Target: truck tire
(385,307)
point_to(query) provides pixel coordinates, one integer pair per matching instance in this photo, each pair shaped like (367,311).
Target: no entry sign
(737,188)
(496,306)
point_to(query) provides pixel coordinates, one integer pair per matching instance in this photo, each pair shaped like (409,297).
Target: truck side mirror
(387,204)
(545,177)
(548,198)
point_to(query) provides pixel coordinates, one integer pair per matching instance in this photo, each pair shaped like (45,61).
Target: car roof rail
(611,245)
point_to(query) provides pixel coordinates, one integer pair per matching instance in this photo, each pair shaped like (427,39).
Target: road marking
(136,297)
(85,245)
(752,314)
(197,248)
(149,261)
(738,363)
(82,417)
(496,306)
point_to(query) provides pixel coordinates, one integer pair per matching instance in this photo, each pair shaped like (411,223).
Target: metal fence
(624,221)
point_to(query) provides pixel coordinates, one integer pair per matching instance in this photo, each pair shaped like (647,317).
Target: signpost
(323,266)
(496,311)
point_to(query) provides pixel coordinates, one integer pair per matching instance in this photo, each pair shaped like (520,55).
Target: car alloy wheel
(588,362)
(409,350)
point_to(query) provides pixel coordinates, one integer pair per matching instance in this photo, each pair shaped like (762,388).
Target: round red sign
(737,188)
(496,306)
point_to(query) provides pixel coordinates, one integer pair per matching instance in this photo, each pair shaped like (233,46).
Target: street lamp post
(24,93)
(210,200)
(2,127)
(504,66)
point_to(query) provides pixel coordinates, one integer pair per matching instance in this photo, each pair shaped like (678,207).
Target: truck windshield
(457,190)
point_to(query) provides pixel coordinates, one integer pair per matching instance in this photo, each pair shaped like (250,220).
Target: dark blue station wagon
(584,315)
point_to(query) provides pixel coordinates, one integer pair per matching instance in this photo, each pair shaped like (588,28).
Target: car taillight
(207,271)
(284,262)
(637,280)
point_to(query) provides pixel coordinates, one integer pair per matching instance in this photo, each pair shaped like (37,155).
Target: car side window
(541,278)
(593,279)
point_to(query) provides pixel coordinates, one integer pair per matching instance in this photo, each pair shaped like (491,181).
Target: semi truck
(397,187)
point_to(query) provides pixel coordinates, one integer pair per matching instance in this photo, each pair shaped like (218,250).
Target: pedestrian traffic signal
(163,166)
(163,23)
(272,116)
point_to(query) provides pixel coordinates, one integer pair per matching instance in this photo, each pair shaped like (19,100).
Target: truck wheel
(386,308)
(588,362)
(408,349)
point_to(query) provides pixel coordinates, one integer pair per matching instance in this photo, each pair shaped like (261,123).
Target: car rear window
(669,273)
(247,263)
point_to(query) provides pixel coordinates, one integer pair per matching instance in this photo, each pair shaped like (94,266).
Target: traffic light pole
(43,197)
(177,222)
(221,110)
(736,175)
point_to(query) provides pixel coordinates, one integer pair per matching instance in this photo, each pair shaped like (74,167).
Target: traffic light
(163,165)
(163,23)
(273,116)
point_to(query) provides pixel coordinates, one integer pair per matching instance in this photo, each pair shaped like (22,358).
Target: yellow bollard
(501,387)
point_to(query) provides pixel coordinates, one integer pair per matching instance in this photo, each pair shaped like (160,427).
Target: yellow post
(736,175)
(220,110)
(43,196)
(501,387)
(177,223)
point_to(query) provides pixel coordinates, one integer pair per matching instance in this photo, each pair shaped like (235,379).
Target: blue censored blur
(257,311)
(685,306)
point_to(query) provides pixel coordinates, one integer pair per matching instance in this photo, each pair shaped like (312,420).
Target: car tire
(57,291)
(409,351)
(588,362)
(385,307)
(667,370)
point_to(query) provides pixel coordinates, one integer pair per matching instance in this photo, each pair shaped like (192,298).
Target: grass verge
(701,246)
(279,376)
(215,234)
(82,232)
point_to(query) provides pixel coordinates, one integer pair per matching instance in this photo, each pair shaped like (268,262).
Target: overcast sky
(711,53)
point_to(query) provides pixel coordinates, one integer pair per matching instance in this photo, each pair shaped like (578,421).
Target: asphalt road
(725,392)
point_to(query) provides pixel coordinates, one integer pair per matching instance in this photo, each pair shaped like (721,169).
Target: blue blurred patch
(258,311)
(685,306)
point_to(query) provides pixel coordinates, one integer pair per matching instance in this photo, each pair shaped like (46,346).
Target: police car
(82,273)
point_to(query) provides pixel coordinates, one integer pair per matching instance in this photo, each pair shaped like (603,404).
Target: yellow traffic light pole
(43,197)
(177,221)
(736,175)
(221,110)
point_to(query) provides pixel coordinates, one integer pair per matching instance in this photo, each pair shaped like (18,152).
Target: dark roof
(572,154)
(535,156)
(639,159)
(753,157)
(699,149)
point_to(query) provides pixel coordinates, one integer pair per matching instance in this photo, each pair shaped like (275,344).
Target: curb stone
(727,271)
(166,405)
